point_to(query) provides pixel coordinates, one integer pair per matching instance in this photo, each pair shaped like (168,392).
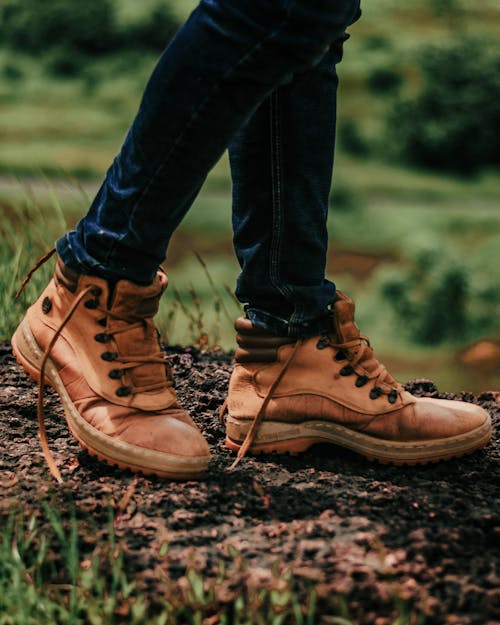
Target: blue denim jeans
(257,76)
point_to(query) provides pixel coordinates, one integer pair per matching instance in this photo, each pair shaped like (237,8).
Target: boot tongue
(138,303)
(66,276)
(343,319)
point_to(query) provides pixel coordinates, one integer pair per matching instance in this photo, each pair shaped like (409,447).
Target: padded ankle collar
(66,276)
(255,344)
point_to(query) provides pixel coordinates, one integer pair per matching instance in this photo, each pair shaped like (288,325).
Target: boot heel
(26,351)
(273,436)
(291,447)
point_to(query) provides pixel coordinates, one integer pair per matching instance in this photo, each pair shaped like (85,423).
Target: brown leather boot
(98,347)
(285,395)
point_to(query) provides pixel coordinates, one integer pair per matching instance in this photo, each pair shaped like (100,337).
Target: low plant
(46,577)
(20,247)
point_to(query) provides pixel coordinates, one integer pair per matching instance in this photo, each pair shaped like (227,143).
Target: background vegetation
(415,220)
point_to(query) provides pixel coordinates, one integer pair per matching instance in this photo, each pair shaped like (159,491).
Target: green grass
(49,124)
(45,577)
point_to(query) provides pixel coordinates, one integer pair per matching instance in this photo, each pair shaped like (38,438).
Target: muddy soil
(428,536)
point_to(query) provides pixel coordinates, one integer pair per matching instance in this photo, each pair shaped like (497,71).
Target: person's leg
(91,334)
(303,372)
(224,61)
(281,163)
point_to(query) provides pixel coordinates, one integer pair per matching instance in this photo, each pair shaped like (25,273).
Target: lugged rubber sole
(112,451)
(294,438)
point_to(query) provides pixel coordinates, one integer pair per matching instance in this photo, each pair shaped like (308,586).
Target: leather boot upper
(110,360)
(336,377)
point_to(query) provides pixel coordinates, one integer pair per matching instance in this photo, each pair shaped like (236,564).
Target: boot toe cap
(167,443)
(446,418)
(166,434)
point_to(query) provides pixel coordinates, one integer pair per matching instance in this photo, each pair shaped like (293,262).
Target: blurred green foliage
(384,80)
(453,123)
(436,297)
(352,139)
(86,27)
(67,34)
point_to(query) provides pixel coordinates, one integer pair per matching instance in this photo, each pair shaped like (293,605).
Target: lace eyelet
(340,355)
(376,392)
(91,303)
(362,380)
(393,396)
(103,337)
(123,391)
(109,356)
(96,291)
(323,343)
(115,374)
(46,305)
(347,370)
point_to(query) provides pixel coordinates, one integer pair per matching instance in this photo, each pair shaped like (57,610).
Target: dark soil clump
(379,536)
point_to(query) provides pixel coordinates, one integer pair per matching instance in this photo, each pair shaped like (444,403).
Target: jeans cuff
(282,327)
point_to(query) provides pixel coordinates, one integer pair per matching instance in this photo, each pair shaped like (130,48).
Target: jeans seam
(275,246)
(177,142)
(278,216)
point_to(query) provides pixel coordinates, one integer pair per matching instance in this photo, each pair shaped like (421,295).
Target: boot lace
(357,352)
(259,417)
(130,362)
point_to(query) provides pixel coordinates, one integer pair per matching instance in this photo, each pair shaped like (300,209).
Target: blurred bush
(150,28)
(436,298)
(446,8)
(343,197)
(384,80)
(12,72)
(352,139)
(68,33)
(84,27)
(454,121)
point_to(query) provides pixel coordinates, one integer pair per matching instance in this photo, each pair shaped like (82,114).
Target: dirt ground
(376,535)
